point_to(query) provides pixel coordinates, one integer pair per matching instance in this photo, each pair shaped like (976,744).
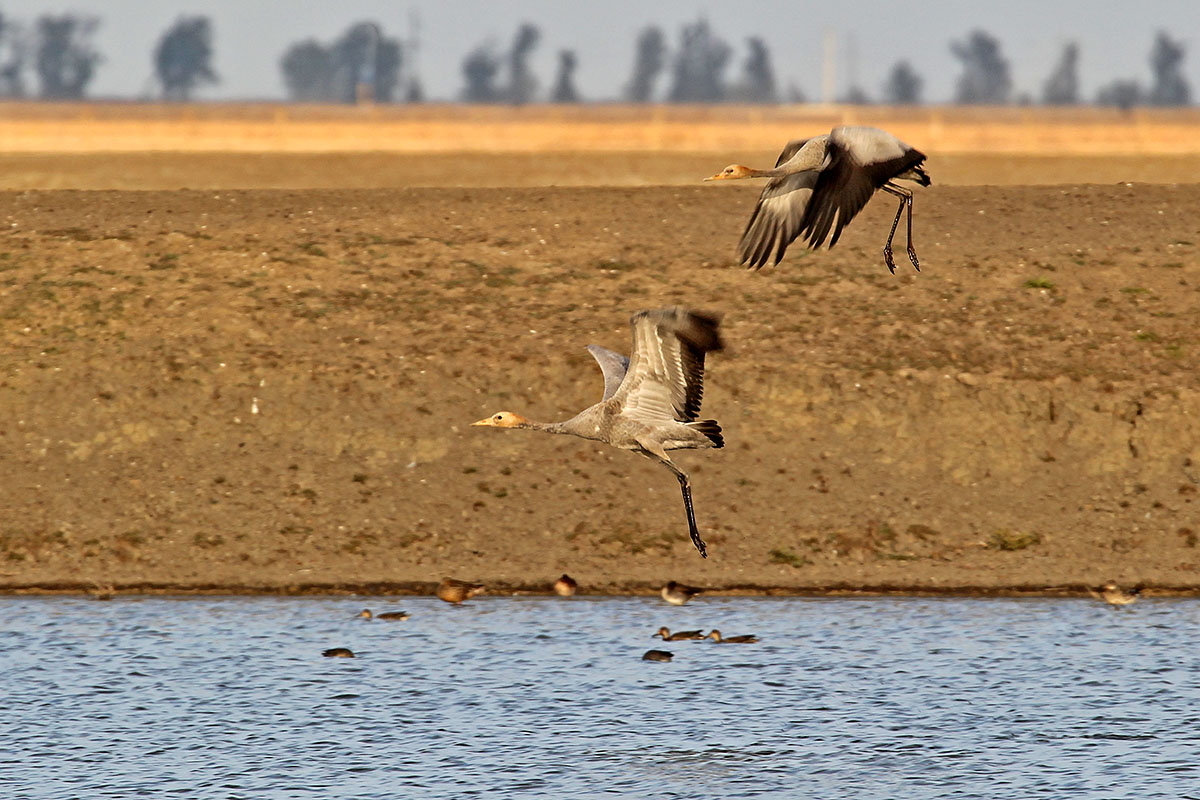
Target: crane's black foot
(912,256)
(696,540)
(887,259)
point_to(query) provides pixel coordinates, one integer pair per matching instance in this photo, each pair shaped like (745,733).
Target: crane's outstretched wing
(665,380)
(790,149)
(858,160)
(776,220)
(613,365)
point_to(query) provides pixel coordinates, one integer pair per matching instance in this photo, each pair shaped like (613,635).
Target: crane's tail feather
(709,428)
(918,174)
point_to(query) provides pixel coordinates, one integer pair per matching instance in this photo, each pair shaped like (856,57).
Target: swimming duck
(389,615)
(1116,596)
(565,586)
(455,591)
(678,636)
(748,638)
(657,655)
(338,652)
(677,594)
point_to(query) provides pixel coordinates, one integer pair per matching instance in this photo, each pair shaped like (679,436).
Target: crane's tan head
(502,419)
(731,172)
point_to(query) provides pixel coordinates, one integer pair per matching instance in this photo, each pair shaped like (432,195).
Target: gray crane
(651,399)
(822,183)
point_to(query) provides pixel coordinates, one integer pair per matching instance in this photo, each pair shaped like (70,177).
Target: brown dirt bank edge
(269,391)
(616,589)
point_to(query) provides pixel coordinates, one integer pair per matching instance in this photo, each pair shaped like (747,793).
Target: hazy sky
(1115,38)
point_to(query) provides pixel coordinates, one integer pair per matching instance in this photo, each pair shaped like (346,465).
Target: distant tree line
(361,64)
(366,64)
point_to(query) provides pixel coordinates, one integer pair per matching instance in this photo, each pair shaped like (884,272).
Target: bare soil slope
(271,390)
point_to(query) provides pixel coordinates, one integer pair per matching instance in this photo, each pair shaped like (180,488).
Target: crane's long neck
(549,427)
(809,157)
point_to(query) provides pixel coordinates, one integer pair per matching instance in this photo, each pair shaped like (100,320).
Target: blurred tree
(985,79)
(183,57)
(1166,61)
(1062,87)
(307,70)
(903,86)
(795,94)
(757,84)
(564,84)
(364,61)
(699,68)
(855,96)
(65,59)
(1121,94)
(14,55)
(521,83)
(480,68)
(648,62)
(362,64)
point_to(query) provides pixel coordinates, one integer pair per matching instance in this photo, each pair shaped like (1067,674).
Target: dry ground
(383,170)
(271,390)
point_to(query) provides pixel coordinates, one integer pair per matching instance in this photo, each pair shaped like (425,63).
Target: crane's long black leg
(685,486)
(887,247)
(912,254)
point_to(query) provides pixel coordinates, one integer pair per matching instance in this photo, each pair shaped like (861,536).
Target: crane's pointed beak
(487,422)
(716,177)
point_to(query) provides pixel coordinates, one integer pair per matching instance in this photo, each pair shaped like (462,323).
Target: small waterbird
(821,183)
(1114,595)
(657,655)
(678,636)
(338,652)
(387,615)
(748,638)
(677,594)
(455,591)
(565,586)
(651,399)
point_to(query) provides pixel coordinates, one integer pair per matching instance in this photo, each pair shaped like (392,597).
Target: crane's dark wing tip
(701,330)
(710,428)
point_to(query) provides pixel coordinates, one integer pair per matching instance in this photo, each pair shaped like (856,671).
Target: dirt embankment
(271,391)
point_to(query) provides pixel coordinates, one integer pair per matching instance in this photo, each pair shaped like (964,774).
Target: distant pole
(851,63)
(365,91)
(412,48)
(829,69)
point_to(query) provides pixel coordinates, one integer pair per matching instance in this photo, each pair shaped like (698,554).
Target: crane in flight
(651,399)
(820,184)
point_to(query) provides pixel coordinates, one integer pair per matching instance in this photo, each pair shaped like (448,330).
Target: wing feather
(665,379)
(776,220)
(613,365)
(842,188)
(858,161)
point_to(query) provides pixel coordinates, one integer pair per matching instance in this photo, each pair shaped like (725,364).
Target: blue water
(541,697)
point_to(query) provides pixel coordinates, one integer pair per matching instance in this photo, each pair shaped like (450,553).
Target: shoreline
(426,589)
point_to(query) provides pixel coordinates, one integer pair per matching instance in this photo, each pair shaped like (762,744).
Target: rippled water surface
(540,697)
